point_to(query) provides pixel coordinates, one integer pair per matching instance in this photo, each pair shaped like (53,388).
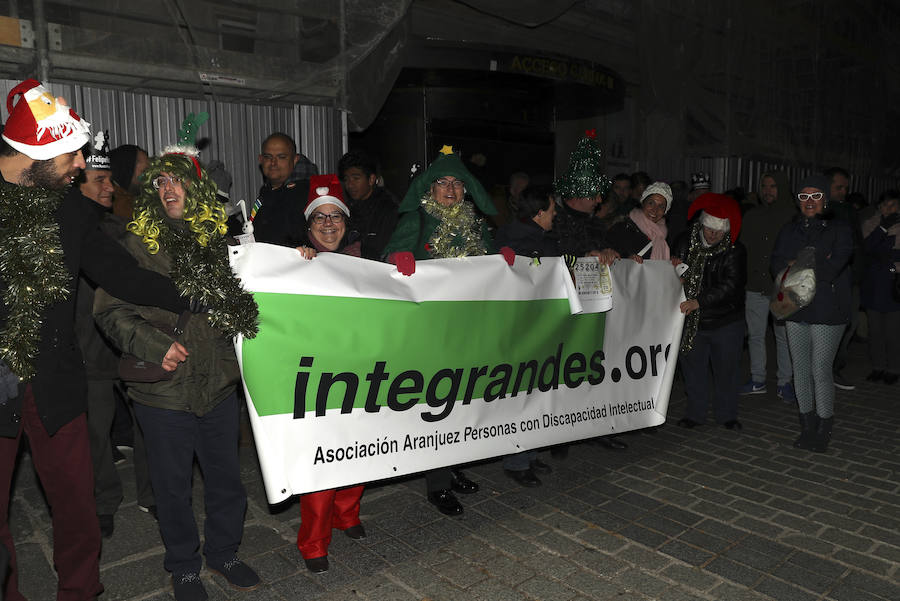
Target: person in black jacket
(277,213)
(714,285)
(814,332)
(527,234)
(45,242)
(373,207)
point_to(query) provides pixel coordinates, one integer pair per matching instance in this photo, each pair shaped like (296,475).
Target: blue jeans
(172,439)
(757,316)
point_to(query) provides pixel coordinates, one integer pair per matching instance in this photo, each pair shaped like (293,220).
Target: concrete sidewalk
(683,514)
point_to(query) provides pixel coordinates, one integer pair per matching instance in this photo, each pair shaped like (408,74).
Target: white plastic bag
(795,285)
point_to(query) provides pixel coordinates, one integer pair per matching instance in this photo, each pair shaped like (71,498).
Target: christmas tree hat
(583,178)
(447,163)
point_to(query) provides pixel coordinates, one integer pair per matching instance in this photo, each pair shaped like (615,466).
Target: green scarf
(459,232)
(698,254)
(32,268)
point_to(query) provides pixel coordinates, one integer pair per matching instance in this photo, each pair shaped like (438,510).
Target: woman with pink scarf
(643,234)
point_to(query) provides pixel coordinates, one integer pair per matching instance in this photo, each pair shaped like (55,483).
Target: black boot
(823,435)
(808,424)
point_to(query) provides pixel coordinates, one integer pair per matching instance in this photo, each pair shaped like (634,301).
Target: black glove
(196,306)
(888,221)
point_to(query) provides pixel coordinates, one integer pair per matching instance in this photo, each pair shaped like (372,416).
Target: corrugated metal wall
(730,172)
(235,130)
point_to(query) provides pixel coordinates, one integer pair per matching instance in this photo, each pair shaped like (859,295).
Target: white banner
(360,373)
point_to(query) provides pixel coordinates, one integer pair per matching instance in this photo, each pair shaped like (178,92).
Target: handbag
(135,369)
(796,285)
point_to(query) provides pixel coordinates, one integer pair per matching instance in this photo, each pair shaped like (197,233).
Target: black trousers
(101,408)
(720,350)
(172,439)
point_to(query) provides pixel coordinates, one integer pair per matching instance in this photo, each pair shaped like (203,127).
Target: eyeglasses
(320,218)
(803,196)
(446,183)
(161,181)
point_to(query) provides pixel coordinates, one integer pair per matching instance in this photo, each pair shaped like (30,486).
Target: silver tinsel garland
(32,269)
(698,254)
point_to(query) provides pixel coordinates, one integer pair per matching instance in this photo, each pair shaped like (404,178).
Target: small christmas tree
(583,178)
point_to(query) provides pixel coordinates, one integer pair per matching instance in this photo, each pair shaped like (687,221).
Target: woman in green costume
(436,222)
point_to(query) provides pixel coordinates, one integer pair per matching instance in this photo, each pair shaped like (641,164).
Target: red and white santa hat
(720,212)
(40,127)
(323,190)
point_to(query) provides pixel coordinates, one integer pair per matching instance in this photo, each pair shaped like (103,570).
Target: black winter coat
(723,287)
(375,219)
(59,386)
(578,233)
(833,242)
(627,239)
(527,239)
(280,219)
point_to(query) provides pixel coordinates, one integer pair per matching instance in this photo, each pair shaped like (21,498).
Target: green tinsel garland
(203,274)
(32,268)
(583,177)
(698,254)
(459,232)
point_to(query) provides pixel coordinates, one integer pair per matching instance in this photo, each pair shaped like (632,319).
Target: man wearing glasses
(178,230)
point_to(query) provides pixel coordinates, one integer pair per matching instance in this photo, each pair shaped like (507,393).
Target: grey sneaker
(841,382)
(752,387)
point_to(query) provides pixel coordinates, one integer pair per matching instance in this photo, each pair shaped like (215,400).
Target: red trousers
(63,463)
(322,511)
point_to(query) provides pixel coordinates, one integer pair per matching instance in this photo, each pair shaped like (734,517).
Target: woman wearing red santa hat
(714,324)
(327,217)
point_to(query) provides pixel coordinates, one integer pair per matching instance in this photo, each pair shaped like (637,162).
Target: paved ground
(682,515)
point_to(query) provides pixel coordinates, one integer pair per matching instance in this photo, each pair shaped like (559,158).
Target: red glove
(508,254)
(405,262)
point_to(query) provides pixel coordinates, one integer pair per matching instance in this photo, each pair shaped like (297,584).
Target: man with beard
(761,225)
(44,244)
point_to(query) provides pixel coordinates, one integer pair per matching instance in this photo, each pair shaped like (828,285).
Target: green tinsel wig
(199,255)
(203,213)
(583,178)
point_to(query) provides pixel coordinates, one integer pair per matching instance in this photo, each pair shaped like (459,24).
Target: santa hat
(660,188)
(720,213)
(323,190)
(41,128)
(98,155)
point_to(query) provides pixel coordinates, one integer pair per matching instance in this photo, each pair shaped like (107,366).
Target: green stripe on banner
(398,353)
